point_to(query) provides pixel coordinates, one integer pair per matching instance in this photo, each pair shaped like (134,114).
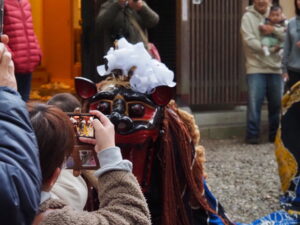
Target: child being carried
(271,43)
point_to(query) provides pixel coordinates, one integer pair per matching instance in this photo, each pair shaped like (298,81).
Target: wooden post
(183,49)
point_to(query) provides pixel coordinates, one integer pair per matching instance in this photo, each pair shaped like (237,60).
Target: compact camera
(84,155)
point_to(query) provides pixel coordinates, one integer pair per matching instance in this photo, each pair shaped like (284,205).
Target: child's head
(65,101)
(275,15)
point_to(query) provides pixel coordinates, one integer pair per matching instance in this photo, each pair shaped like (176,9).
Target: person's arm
(279,32)
(248,35)
(107,14)
(19,164)
(149,17)
(120,195)
(286,51)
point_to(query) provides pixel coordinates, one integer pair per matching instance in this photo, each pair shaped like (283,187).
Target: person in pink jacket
(23,43)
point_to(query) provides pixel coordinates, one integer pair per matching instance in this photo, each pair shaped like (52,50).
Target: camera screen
(83,125)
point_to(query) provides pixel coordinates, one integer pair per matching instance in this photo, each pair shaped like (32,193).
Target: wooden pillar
(183,49)
(288,8)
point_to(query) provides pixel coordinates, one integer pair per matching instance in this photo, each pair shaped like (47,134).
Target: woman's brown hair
(55,136)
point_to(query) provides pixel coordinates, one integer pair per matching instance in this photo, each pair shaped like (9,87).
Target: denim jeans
(24,85)
(259,87)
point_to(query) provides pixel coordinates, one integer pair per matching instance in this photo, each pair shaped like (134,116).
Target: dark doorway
(274,2)
(164,34)
(91,44)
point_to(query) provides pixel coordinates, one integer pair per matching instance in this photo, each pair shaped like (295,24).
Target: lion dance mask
(160,139)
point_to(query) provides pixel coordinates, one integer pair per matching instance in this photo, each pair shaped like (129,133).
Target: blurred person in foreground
(20,173)
(263,72)
(23,43)
(120,196)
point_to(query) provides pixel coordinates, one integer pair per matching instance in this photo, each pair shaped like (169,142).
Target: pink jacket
(23,43)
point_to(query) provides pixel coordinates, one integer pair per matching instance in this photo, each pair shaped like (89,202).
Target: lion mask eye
(136,110)
(104,107)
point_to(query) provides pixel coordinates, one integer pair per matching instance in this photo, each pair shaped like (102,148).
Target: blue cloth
(276,218)
(24,85)
(259,87)
(201,217)
(214,219)
(20,173)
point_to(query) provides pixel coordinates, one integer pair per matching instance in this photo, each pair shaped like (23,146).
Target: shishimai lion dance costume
(160,140)
(287,153)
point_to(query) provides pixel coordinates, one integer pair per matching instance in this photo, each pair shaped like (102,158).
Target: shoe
(252,141)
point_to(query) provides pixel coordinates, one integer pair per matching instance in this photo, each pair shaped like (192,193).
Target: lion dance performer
(288,157)
(161,140)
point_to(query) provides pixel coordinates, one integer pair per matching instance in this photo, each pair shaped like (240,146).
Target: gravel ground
(243,177)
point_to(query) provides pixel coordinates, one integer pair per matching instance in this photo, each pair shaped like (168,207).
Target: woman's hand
(4,39)
(135,4)
(7,71)
(298,44)
(266,29)
(104,132)
(122,2)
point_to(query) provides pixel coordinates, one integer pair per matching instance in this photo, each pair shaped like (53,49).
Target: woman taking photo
(120,196)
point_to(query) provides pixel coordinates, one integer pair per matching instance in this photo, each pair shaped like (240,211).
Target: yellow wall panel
(288,8)
(37,15)
(58,38)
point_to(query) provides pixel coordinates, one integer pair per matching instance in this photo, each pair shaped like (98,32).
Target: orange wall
(37,15)
(57,38)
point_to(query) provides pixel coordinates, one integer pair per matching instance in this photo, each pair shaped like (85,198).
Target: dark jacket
(113,22)
(20,176)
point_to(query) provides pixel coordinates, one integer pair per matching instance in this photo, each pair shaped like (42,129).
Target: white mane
(148,73)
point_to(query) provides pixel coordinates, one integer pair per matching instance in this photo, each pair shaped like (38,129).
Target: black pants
(24,85)
(294,77)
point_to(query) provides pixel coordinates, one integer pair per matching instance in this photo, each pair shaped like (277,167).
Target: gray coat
(291,55)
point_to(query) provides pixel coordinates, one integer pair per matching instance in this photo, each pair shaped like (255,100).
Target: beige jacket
(116,186)
(256,61)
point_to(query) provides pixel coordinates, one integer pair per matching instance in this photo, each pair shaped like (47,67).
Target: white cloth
(45,196)
(148,73)
(72,190)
